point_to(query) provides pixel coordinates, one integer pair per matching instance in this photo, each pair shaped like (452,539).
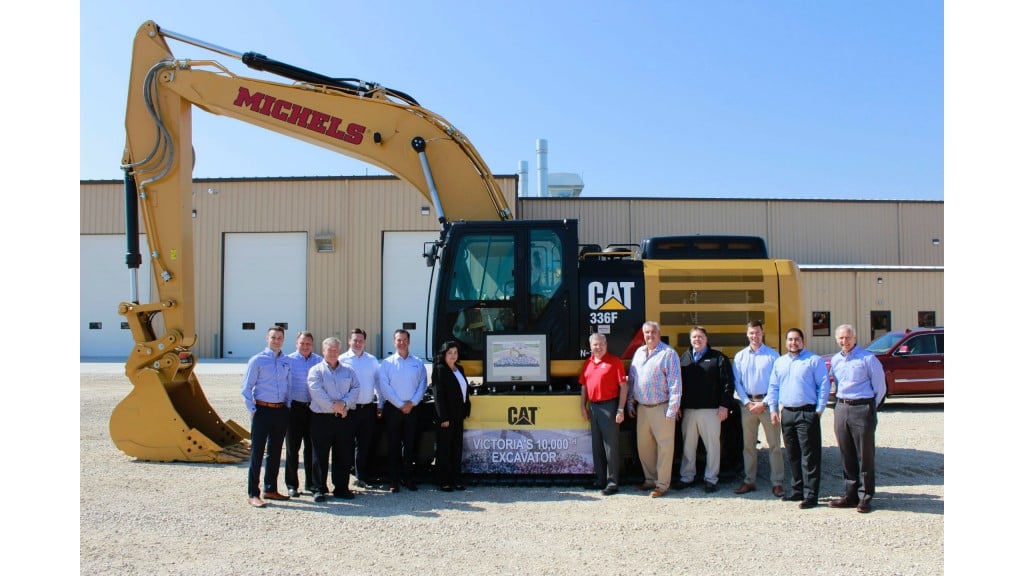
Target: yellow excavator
(166,416)
(503,283)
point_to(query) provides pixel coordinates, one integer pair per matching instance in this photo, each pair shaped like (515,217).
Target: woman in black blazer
(451,399)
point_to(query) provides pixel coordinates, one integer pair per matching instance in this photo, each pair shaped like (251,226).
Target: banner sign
(530,435)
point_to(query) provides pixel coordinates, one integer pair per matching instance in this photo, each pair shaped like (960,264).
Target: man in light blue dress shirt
(403,381)
(265,388)
(799,383)
(860,389)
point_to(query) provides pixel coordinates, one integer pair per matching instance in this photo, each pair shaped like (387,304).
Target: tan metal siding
(850,296)
(344,286)
(919,225)
(675,217)
(834,232)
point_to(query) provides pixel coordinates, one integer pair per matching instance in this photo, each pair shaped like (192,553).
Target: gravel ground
(152,518)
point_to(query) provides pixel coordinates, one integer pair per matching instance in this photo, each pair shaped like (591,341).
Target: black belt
(804,408)
(756,397)
(855,401)
(269,404)
(653,405)
(300,403)
(364,405)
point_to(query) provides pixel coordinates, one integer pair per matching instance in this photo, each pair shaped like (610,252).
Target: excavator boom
(166,416)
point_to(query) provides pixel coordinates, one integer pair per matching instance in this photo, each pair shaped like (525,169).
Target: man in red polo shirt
(603,390)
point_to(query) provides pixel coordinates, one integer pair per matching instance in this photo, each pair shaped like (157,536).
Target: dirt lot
(176,518)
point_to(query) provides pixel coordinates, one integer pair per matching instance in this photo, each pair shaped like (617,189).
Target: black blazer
(448,394)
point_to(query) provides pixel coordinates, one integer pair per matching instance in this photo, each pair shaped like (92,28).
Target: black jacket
(448,394)
(707,384)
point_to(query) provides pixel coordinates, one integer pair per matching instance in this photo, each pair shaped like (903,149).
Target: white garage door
(104,283)
(264,284)
(405,284)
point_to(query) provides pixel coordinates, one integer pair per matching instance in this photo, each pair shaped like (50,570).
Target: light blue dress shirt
(797,381)
(858,375)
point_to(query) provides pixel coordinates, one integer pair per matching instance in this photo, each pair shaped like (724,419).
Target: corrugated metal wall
(344,289)
(880,233)
(849,296)
(344,286)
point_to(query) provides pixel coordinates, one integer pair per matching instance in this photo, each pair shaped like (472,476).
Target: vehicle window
(938,343)
(545,269)
(924,344)
(483,269)
(884,343)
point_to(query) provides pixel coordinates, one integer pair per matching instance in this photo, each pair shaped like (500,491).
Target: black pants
(801,429)
(298,436)
(366,432)
(604,438)
(449,453)
(269,427)
(855,434)
(401,436)
(332,443)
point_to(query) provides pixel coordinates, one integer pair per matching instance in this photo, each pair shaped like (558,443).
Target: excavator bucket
(164,420)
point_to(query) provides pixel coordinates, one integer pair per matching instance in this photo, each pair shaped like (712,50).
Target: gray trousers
(604,438)
(855,434)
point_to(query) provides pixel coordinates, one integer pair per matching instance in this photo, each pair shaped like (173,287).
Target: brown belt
(270,404)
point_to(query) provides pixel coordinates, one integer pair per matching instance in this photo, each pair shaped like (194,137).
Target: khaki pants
(773,434)
(655,443)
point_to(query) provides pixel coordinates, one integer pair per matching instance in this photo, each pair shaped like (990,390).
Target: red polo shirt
(602,378)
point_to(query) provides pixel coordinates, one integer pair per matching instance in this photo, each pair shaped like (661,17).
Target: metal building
(346,253)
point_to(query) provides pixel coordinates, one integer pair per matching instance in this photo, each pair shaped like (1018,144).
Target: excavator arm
(166,415)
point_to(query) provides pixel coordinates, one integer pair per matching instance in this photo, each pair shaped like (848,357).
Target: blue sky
(734,99)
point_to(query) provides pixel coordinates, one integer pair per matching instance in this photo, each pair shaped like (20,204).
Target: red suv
(912,360)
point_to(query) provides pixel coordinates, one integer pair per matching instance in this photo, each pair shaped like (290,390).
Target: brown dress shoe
(274,496)
(255,502)
(843,502)
(864,507)
(777,491)
(645,487)
(744,488)
(657,493)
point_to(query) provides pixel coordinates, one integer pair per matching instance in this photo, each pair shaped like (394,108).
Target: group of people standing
(785,395)
(327,406)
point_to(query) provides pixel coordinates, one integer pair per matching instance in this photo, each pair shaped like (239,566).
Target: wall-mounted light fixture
(194,213)
(324,242)
(425,210)
(879,280)
(936,241)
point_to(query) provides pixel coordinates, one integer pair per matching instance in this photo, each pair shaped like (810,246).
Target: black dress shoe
(610,489)
(680,485)
(709,487)
(394,488)
(809,503)
(864,507)
(345,494)
(293,493)
(319,497)
(460,487)
(794,497)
